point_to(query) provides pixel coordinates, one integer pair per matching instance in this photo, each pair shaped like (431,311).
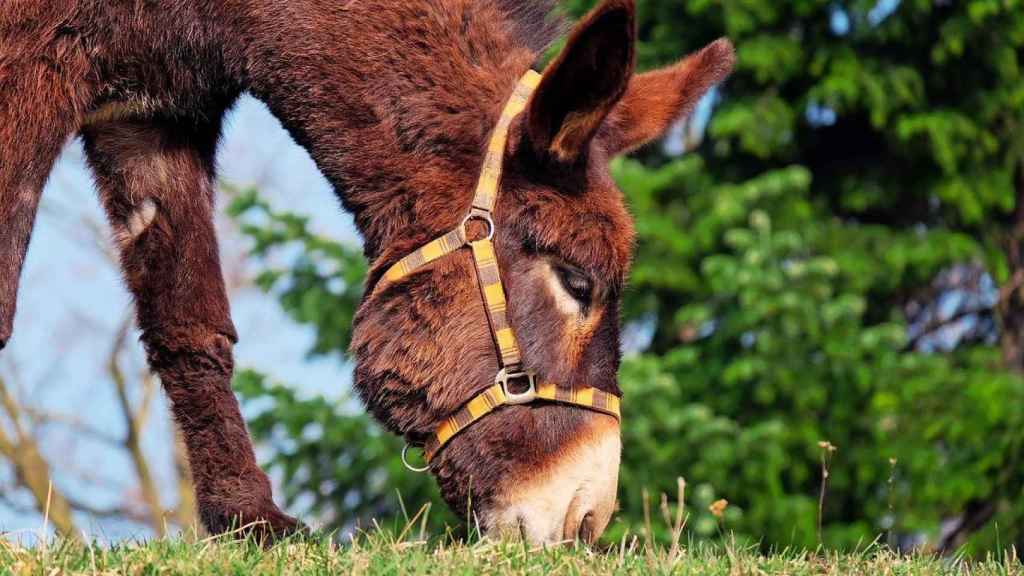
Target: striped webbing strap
(487,401)
(484,258)
(486,189)
(493,292)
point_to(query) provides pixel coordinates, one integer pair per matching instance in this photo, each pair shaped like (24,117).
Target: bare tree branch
(938,323)
(44,418)
(31,469)
(976,515)
(185,515)
(134,421)
(121,512)
(149,388)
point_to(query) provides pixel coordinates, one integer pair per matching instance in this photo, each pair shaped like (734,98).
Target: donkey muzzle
(571,498)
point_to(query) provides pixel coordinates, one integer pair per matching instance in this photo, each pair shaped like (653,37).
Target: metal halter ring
(524,397)
(477,214)
(405,461)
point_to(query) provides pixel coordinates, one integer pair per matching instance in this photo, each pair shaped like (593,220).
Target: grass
(408,550)
(381,553)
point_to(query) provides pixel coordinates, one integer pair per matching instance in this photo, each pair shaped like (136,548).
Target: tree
(873,146)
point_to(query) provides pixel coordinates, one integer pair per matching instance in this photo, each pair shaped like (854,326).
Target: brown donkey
(396,101)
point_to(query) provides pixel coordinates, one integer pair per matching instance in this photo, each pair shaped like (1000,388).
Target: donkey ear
(582,85)
(656,99)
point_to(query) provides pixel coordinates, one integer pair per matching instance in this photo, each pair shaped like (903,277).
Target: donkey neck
(394,100)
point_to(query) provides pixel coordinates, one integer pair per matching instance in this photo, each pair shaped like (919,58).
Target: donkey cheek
(572,496)
(577,329)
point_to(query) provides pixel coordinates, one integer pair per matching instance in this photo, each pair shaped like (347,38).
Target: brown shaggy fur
(394,100)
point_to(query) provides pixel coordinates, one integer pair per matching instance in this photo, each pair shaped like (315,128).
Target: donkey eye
(576,284)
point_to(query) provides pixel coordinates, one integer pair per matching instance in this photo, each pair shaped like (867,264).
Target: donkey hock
(396,101)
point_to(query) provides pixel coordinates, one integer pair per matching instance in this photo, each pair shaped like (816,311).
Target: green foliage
(330,456)
(861,149)
(321,286)
(857,152)
(334,460)
(764,345)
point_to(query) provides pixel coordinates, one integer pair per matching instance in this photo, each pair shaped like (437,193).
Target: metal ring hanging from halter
(405,461)
(478,214)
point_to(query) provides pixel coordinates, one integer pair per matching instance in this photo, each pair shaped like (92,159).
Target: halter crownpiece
(493,293)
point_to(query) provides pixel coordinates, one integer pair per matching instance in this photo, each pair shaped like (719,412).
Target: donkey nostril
(586,531)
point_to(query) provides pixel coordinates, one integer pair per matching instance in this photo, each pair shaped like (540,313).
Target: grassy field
(381,554)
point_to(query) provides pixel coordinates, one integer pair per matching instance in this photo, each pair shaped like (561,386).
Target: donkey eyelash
(576,283)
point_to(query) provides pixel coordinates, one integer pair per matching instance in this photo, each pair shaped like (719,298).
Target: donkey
(395,100)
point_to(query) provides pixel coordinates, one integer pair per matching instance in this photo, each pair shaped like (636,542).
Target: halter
(493,294)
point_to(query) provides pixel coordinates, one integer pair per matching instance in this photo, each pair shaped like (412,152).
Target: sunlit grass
(405,547)
(380,552)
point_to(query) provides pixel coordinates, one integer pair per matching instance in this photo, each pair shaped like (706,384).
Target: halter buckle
(478,214)
(524,397)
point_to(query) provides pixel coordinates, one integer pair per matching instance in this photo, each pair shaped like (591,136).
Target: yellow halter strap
(493,294)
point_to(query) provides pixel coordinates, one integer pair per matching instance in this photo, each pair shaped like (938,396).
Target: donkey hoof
(272,525)
(265,525)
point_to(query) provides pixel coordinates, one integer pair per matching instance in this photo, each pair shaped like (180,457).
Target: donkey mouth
(572,498)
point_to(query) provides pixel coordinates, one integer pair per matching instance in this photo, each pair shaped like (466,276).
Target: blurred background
(825,322)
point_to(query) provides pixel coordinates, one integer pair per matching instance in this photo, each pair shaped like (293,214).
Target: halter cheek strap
(493,294)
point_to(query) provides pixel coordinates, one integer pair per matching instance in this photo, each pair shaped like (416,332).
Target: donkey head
(563,239)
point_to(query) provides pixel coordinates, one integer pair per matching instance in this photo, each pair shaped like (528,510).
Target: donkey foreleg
(38,112)
(156,184)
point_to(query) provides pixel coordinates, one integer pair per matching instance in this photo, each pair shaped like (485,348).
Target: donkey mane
(422,106)
(537,23)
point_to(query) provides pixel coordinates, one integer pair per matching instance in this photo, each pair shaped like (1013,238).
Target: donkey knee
(190,351)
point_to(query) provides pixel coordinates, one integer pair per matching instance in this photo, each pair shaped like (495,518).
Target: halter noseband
(493,294)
